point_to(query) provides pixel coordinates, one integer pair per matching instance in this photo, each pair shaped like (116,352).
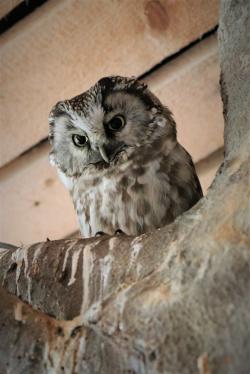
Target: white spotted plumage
(133,178)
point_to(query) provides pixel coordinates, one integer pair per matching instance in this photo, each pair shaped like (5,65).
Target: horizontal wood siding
(65,46)
(189,86)
(34,203)
(7,6)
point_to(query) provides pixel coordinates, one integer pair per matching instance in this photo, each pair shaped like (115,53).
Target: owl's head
(115,115)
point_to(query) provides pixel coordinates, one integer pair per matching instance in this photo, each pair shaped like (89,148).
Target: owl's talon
(99,233)
(119,232)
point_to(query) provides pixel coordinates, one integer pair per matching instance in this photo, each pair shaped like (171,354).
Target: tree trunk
(172,301)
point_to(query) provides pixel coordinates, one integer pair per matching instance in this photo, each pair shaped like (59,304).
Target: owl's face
(114,115)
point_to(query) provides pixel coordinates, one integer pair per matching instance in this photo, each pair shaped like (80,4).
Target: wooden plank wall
(61,49)
(7,5)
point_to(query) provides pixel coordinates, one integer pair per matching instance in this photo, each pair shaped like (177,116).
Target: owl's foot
(119,232)
(99,233)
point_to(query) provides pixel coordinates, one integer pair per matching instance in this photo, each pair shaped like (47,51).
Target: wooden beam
(207,168)
(189,85)
(34,203)
(7,6)
(65,46)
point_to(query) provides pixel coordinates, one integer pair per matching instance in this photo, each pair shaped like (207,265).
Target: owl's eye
(116,123)
(79,140)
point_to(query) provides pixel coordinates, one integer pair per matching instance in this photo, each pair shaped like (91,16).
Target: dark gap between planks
(18,13)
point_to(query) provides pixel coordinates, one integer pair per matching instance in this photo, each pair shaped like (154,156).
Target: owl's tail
(8,246)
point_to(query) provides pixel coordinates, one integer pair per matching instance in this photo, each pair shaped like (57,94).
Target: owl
(115,149)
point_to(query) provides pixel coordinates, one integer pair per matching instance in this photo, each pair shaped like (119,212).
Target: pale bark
(172,301)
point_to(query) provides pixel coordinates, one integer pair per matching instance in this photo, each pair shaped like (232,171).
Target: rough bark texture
(172,301)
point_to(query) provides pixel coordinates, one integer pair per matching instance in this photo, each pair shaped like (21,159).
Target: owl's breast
(131,200)
(93,202)
(136,197)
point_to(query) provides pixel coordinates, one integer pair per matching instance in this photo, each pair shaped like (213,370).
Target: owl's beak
(103,153)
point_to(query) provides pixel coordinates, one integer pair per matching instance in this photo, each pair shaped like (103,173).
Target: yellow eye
(79,140)
(116,123)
